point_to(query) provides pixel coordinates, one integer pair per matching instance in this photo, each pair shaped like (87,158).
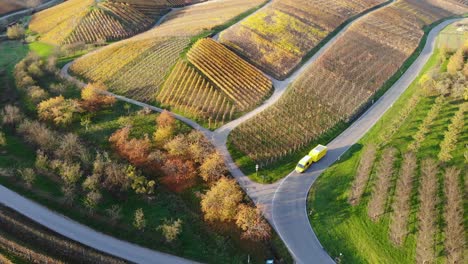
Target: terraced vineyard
(89,21)
(138,67)
(278,37)
(242,83)
(344,78)
(220,85)
(187,91)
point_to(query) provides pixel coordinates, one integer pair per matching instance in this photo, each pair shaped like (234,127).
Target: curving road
(84,234)
(289,203)
(284,202)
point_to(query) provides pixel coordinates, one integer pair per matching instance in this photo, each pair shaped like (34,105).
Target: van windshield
(300,166)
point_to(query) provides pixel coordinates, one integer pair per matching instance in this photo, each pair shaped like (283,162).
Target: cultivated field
(398,195)
(89,21)
(138,67)
(333,89)
(190,93)
(7,6)
(277,37)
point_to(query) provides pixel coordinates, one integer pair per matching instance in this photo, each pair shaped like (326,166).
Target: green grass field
(344,229)
(454,35)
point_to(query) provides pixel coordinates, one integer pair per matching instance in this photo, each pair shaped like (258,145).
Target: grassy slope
(342,228)
(283,167)
(198,241)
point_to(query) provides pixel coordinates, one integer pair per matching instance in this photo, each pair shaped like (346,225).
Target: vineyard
(404,181)
(193,20)
(188,91)
(277,37)
(333,89)
(241,82)
(136,69)
(212,90)
(89,22)
(21,237)
(139,66)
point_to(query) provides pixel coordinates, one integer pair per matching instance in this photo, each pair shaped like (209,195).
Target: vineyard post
(256,169)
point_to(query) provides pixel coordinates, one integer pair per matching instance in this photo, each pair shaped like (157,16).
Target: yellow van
(318,153)
(304,164)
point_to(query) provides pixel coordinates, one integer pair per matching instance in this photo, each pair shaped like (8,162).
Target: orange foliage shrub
(134,150)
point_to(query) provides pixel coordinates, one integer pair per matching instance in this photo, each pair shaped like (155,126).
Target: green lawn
(344,229)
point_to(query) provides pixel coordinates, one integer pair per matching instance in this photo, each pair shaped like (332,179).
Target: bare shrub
(454,229)
(362,175)
(402,202)
(11,115)
(427,214)
(376,206)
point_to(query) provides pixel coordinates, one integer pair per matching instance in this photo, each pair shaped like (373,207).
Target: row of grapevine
(136,69)
(189,92)
(142,78)
(277,37)
(337,85)
(89,22)
(242,83)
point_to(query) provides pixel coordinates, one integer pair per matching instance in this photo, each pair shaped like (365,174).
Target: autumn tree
(39,134)
(451,136)
(3,141)
(427,214)
(178,146)
(139,183)
(134,150)
(376,206)
(252,223)
(36,94)
(179,169)
(16,32)
(166,125)
(456,62)
(139,221)
(115,178)
(362,174)
(59,110)
(424,128)
(71,149)
(213,167)
(28,175)
(93,97)
(402,202)
(454,229)
(170,229)
(92,199)
(11,115)
(221,201)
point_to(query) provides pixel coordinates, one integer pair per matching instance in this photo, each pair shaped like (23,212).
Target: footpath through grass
(342,228)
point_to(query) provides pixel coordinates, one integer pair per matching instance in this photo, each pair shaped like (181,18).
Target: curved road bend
(83,234)
(290,200)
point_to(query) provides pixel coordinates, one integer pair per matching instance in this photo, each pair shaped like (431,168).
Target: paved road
(83,234)
(284,202)
(289,203)
(5,20)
